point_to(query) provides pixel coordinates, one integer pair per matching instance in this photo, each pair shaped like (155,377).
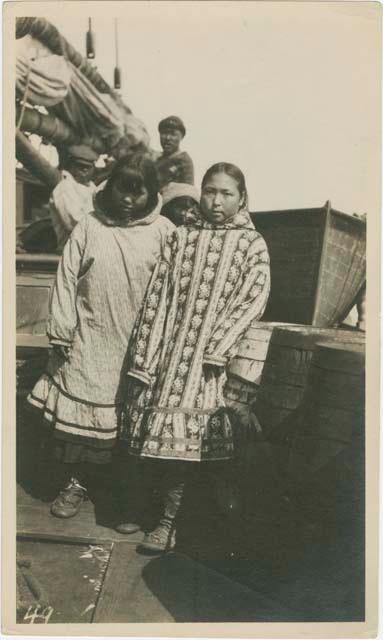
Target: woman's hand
(135,388)
(212,370)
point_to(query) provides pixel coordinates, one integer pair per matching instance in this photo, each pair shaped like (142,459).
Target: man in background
(72,198)
(173,165)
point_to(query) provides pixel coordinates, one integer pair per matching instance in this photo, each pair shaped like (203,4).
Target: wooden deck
(275,581)
(143,588)
(224,569)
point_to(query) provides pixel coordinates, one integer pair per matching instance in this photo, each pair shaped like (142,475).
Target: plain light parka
(101,281)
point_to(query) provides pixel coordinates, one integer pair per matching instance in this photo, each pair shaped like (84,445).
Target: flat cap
(82,152)
(172,122)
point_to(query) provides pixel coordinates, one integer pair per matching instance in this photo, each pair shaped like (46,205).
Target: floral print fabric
(210,284)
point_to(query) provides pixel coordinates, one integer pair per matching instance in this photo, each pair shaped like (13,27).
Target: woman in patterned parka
(100,286)
(212,282)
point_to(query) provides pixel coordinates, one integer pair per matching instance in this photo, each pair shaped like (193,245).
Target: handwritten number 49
(37,614)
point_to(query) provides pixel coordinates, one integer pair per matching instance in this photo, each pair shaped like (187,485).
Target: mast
(117,70)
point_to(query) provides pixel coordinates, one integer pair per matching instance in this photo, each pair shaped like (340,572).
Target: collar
(241,220)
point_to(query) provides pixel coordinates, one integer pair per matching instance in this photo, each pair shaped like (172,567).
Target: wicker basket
(318,264)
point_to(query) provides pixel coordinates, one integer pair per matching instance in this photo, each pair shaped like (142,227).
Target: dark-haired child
(100,285)
(180,203)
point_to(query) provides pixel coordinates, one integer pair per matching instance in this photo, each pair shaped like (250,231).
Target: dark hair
(231,170)
(182,201)
(172,123)
(186,204)
(138,167)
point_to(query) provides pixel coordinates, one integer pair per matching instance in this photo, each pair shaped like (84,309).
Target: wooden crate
(35,276)
(318,264)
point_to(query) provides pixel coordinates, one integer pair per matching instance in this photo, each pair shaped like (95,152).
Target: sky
(287,91)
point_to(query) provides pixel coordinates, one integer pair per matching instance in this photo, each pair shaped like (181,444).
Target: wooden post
(35,163)
(361,307)
(46,126)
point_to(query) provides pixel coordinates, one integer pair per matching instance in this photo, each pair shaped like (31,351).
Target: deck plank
(34,520)
(65,596)
(175,588)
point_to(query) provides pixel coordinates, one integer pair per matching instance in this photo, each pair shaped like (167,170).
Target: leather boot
(163,537)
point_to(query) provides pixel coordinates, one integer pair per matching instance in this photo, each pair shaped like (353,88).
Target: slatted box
(318,264)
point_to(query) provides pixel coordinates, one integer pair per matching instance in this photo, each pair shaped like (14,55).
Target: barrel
(326,465)
(244,371)
(253,479)
(279,399)
(248,363)
(286,369)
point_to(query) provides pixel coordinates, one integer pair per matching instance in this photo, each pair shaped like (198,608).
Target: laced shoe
(161,539)
(68,502)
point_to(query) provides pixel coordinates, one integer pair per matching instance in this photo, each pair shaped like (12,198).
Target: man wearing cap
(72,198)
(173,165)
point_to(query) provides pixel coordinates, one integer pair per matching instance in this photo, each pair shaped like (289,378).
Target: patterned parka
(210,284)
